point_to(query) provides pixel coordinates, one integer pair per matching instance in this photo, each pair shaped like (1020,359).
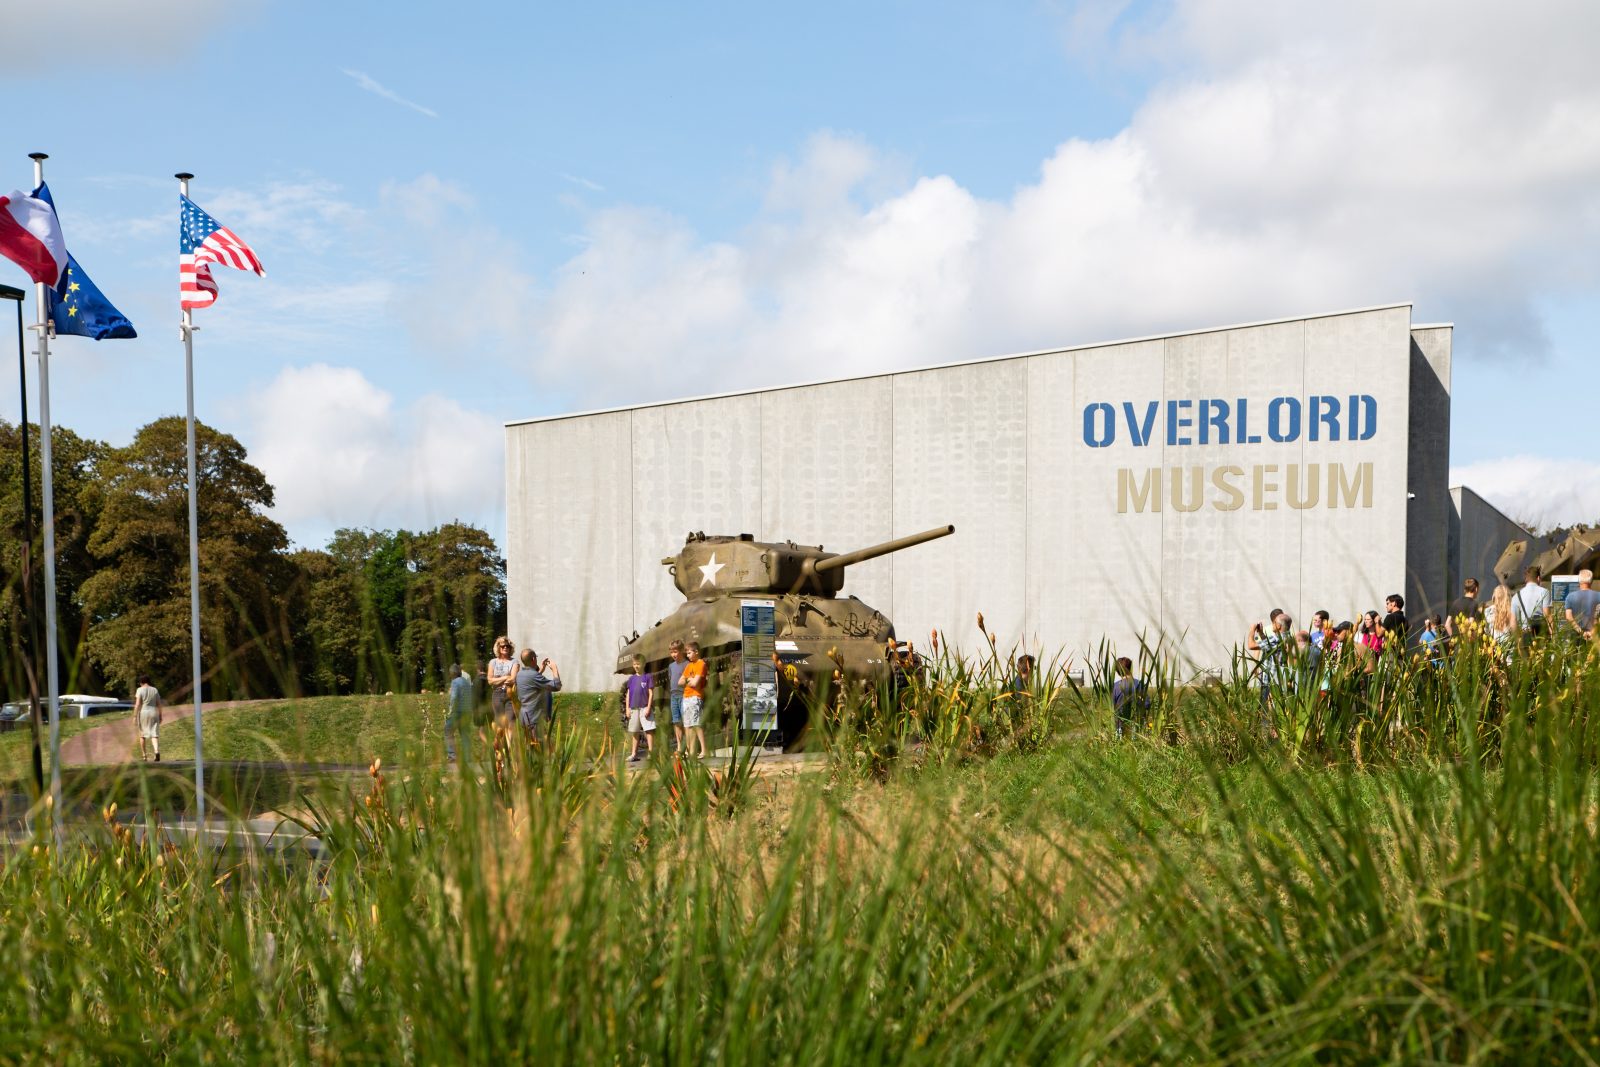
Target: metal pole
(48,509)
(30,662)
(187,329)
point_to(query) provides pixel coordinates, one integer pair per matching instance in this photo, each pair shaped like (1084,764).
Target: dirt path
(118,742)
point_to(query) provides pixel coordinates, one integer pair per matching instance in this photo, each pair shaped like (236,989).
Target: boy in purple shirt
(636,694)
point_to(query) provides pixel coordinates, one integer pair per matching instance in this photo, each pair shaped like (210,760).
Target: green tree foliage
(77,509)
(377,610)
(393,608)
(138,599)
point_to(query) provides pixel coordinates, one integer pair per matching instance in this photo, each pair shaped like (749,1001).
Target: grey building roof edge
(1462,487)
(962,363)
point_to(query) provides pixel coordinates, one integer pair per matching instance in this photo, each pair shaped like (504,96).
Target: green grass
(16,745)
(1017,890)
(352,730)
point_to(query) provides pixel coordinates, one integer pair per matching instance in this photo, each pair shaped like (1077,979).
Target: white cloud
(119,32)
(1535,489)
(1292,161)
(341,452)
(371,85)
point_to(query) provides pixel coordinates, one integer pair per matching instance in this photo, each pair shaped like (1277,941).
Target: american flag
(202,241)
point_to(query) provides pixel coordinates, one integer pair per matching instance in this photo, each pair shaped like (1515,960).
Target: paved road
(118,741)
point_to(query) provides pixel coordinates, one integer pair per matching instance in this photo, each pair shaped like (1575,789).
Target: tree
(455,602)
(137,602)
(76,462)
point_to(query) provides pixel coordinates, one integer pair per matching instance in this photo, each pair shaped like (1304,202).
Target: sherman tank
(820,639)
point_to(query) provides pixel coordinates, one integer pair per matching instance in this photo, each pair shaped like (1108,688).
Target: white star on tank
(709,571)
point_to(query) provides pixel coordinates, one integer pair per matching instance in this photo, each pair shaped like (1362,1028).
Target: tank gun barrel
(861,555)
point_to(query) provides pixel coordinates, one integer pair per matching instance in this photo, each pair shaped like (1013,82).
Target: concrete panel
(1482,533)
(1428,472)
(696,466)
(1255,528)
(1093,573)
(960,456)
(1353,556)
(827,475)
(569,542)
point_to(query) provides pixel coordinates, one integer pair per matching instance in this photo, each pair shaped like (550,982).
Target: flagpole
(48,508)
(30,662)
(187,329)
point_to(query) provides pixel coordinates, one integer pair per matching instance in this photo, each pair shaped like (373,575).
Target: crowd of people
(516,688)
(1288,660)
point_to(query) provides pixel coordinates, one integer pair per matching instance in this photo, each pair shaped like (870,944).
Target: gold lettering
(1305,495)
(1342,488)
(1261,487)
(1197,476)
(1235,497)
(1145,492)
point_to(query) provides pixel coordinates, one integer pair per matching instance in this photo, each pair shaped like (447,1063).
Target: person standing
(675,691)
(458,720)
(1532,604)
(1393,627)
(1500,619)
(1465,608)
(1320,628)
(1268,643)
(1581,604)
(694,701)
(147,707)
(637,693)
(502,678)
(535,683)
(1128,700)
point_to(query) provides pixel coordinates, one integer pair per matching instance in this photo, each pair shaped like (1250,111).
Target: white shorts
(692,707)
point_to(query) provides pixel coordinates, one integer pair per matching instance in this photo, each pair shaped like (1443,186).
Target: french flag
(30,236)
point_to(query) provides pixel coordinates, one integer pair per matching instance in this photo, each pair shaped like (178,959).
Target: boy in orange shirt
(694,700)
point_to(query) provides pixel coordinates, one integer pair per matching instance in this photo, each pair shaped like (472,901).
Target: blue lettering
(1363,418)
(1102,435)
(1324,412)
(1242,426)
(1174,423)
(1275,419)
(1218,417)
(1137,431)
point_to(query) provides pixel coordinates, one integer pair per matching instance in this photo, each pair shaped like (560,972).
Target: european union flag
(79,307)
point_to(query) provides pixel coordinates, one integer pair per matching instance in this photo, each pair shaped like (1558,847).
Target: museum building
(1174,487)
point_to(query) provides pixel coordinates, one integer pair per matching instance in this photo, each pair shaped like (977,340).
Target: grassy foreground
(1039,894)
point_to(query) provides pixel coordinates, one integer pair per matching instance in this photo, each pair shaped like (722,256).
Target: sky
(521,210)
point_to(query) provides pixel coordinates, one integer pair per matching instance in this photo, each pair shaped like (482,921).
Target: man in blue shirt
(535,683)
(1581,603)
(1269,645)
(460,713)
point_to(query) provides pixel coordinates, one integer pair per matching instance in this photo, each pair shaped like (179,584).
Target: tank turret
(717,565)
(822,638)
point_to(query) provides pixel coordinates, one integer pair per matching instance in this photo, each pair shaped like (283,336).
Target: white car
(81,706)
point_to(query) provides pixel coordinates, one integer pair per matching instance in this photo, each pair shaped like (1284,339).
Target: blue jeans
(677,708)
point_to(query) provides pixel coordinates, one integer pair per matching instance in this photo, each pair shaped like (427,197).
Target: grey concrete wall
(1051,546)
(1428,470)
(1480,532)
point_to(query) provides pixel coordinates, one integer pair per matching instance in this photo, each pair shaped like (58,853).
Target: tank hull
(816,638)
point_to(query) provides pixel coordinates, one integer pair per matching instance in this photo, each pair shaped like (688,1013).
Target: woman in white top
(1500,620)
(147,711)
(502,675)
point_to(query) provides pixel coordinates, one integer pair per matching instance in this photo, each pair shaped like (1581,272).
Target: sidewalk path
(118,741)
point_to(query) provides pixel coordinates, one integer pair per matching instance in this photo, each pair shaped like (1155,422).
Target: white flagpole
(187,329)
(52,671)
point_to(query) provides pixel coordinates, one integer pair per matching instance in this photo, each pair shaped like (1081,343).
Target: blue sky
(517,210)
